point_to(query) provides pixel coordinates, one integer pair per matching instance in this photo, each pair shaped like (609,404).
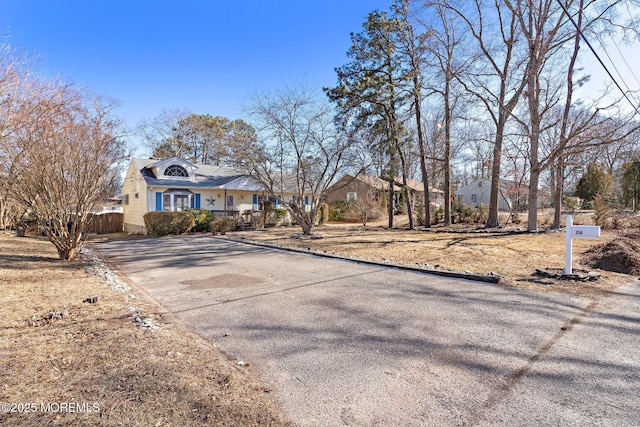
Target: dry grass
(513,255)
(96,355)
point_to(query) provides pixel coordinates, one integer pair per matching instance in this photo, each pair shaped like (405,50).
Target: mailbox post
(577,232)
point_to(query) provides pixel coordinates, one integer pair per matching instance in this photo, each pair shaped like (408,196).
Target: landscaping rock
(557,273)
(92,299)
(100,268)
(57,314)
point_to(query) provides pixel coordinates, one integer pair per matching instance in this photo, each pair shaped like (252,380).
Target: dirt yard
(66,359)
(510,253)
(112,362)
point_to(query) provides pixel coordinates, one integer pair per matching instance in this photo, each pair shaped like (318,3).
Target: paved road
(343,343)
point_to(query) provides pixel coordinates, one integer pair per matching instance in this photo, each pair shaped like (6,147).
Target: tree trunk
(447,191)
(391,203)
(534,140)
(4,213)
(532,221)
(68,247)
(405,189)
(533,102)
(492,221)
(564,138)
(304,219)
(407,195)
(559,184)
(447,152)
(67,254)
(423,162)
(427,194)
(306,228)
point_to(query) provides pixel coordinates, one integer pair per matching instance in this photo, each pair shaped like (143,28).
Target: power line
(625,61)
(606,52)
(566,12)
(613,64)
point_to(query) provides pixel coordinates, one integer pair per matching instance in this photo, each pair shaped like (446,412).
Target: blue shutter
(278,202)
(197,206)
(307,208)
(255,202)
(158,201)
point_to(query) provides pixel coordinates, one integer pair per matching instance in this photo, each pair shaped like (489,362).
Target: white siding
(477,193)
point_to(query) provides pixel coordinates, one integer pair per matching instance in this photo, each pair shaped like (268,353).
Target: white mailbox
(577,232)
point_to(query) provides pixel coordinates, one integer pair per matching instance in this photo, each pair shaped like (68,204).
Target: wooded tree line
(198,138)
(446,91)
(59,152)
(430,84)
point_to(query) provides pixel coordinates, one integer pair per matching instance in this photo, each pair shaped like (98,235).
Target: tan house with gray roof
(175,184)
(349,188)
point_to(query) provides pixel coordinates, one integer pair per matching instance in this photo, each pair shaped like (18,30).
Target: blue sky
(205,56)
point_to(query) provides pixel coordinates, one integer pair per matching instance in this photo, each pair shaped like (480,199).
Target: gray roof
(206,176)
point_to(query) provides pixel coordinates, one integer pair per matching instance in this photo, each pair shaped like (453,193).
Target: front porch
(249,220)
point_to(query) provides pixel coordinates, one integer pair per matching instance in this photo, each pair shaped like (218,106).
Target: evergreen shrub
(159,223)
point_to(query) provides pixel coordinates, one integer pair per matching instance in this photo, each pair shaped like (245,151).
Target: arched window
(176,170)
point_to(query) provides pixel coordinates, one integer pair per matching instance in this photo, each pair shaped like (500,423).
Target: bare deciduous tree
(444,47)
(367,206)
(160,133)
(497,78)
(413,48)
(70,152)
(298,149)
(546,26)
(13,88)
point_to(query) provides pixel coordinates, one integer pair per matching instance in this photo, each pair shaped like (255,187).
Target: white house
(478,192)
(175,184)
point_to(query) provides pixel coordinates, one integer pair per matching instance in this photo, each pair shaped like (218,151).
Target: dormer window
(176,170)
(173,169)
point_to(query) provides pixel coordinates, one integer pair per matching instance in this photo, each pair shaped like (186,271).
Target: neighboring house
(113,205)
(175,184)
(436,197)
(349,188)
(352,188)
(478,192)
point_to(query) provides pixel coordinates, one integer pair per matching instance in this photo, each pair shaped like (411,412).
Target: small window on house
(352,196)
(181,202)
(176,170)
(166,201)
(177,200)
(229,202)
(125,199)
(474,198)
(266,198)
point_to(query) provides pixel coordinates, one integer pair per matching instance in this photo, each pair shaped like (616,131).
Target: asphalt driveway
(343,343)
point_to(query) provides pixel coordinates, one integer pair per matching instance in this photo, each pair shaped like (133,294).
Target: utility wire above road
(566,12)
